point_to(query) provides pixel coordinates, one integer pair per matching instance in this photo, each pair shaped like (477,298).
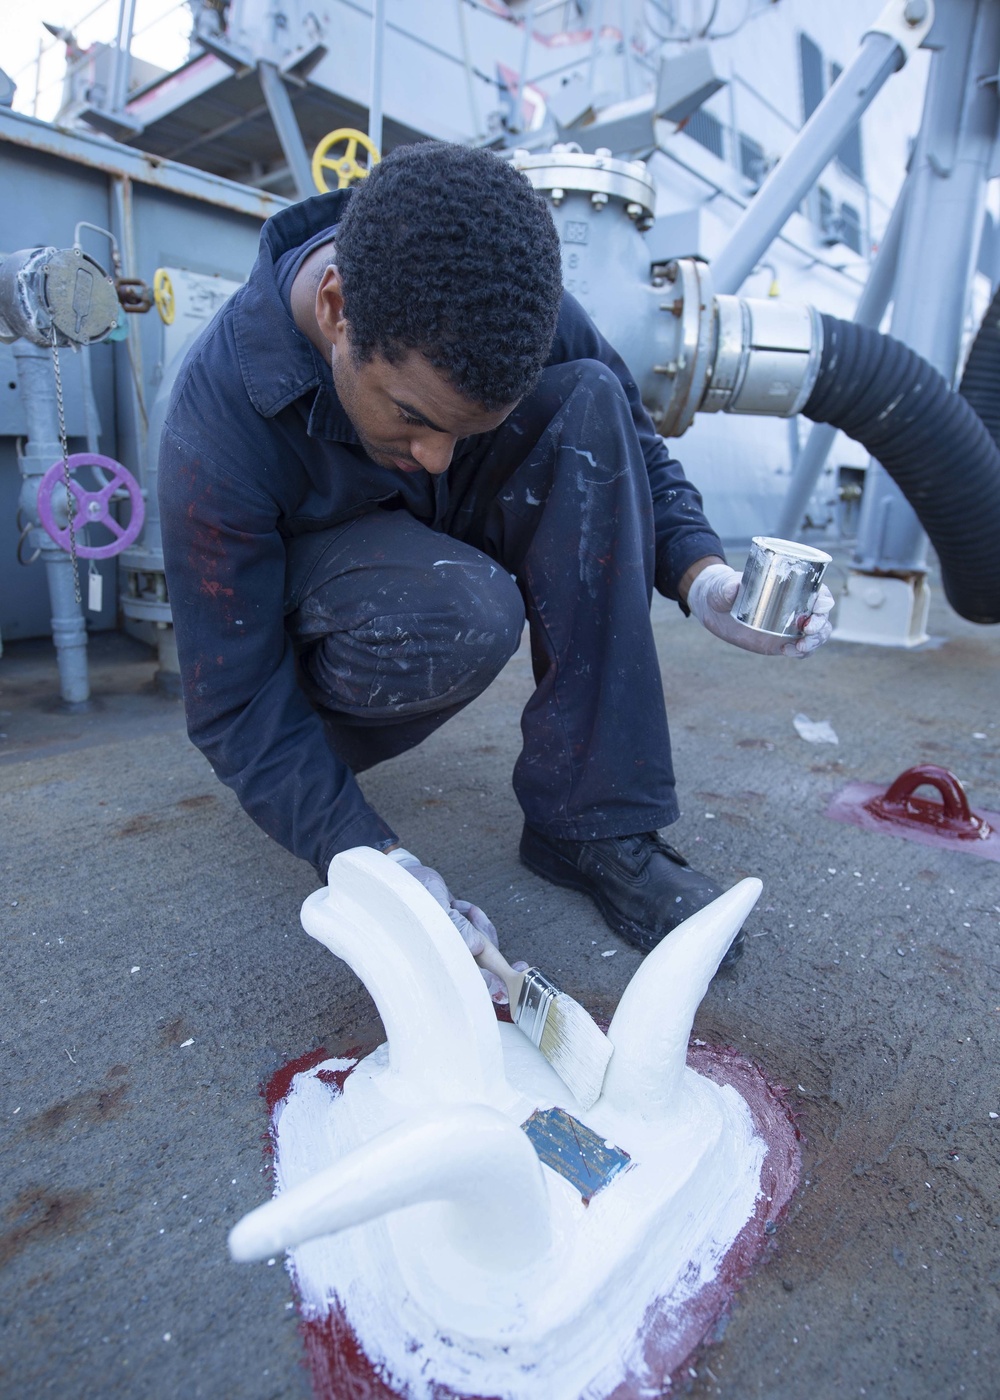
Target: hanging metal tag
(95,589)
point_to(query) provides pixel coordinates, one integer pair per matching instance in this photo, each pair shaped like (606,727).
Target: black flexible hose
(981,380)
(931,442)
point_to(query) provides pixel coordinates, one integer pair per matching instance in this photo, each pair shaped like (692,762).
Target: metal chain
(64,449)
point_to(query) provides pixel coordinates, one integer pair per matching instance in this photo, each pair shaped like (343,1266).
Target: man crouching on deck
(396,442)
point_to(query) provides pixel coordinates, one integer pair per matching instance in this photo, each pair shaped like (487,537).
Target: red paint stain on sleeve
(214,588)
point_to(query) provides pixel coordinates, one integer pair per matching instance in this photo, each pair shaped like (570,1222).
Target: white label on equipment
(95,590)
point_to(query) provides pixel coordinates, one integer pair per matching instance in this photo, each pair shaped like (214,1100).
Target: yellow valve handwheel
(163,295)
(346,164)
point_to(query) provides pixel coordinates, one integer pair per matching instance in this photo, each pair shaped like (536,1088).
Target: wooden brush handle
(494,961)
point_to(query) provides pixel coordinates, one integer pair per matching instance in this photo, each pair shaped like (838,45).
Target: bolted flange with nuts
(566,170)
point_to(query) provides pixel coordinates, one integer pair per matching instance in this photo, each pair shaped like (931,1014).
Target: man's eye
(410,421)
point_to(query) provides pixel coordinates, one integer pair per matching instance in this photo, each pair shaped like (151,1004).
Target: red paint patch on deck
(337,1078)
(852,806)
(279,1086)
(341,1370)
(672,1337)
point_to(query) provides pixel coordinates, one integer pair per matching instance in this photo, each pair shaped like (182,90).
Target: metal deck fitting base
(882,610)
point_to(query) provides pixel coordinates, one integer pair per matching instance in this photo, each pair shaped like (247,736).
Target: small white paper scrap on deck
(815,731)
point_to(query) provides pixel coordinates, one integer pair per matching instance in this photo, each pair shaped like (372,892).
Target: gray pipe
(946,195)
(784,189)
(286,125)
(122,69)
(375,102)
(69,632)
(91,417)
(871,308)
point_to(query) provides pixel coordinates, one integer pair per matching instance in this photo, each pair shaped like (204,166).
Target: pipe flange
(142,609)
(689,371)
(144,597)
(565,169)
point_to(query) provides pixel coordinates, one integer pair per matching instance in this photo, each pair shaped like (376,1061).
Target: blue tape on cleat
(573,1150)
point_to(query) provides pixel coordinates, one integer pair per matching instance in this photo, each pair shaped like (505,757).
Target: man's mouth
(406,466)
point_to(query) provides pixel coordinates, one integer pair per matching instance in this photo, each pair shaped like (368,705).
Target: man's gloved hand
(712,594)
(474,926)
(483,924)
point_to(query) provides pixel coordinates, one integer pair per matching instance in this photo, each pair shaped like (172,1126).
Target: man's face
(407,414)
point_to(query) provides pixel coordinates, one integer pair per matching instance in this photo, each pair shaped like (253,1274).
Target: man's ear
(330,307)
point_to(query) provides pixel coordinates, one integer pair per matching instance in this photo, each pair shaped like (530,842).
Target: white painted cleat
(652,1024)
(459,1261)
(444,1045)
(473,1159)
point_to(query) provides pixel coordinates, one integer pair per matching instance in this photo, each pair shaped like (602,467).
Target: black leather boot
(642,886)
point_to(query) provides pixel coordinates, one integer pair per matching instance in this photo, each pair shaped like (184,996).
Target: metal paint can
(780,582)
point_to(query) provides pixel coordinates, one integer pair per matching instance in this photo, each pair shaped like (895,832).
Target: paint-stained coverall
(331,612)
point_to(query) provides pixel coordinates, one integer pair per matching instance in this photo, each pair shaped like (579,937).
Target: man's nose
(434,452)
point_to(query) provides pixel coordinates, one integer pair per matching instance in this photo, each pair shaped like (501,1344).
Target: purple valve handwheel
(92,505)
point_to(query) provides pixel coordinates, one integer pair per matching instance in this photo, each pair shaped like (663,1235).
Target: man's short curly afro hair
(449,251)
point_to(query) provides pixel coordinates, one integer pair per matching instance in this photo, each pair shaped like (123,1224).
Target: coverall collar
(278,363)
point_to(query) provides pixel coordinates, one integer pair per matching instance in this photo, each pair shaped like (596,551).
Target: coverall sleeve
(682,531)
(225,565)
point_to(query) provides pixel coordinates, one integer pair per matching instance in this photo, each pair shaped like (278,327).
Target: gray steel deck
(141,910)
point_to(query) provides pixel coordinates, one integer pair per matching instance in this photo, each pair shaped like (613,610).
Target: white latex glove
(712,594)
(483,925)
(469,919)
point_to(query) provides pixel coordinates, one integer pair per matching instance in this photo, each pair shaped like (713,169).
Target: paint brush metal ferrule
(537,995)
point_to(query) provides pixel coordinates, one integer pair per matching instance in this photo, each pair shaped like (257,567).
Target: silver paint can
(780,582)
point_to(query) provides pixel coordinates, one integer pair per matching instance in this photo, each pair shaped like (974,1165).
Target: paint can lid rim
(791,549)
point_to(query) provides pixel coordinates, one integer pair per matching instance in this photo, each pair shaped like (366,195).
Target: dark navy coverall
(330,612)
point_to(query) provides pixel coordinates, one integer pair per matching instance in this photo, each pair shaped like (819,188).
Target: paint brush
(560,1027)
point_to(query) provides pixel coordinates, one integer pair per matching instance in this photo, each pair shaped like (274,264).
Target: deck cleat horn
(458,1225)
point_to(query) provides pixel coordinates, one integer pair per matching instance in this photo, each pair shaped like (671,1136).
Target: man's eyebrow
(412,412)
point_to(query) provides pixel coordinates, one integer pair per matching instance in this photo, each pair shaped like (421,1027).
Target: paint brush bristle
(564,1033)
(575,1048)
